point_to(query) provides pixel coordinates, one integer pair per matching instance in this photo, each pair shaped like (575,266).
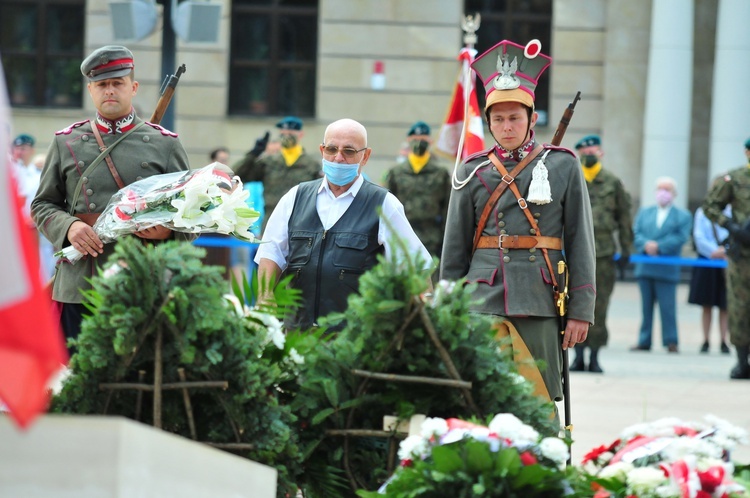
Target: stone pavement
(645,386)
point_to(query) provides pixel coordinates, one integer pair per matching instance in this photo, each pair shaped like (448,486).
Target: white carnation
(554,449)
(643,480)
(433,427)
(412,446)
(618,470)
(296,357)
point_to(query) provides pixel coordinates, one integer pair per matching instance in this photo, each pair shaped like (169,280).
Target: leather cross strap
(519,242)
(532,221)
(108,158)
(507,180)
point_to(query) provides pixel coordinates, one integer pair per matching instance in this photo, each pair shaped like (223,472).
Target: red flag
(31,344)
(463,119)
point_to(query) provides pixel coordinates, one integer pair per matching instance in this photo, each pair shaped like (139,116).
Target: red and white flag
(32,349)
(462,133)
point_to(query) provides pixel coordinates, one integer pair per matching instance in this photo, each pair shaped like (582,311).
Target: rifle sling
(525,209)
(507,180)
(96,162)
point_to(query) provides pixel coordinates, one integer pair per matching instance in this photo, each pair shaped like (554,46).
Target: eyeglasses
(347,152)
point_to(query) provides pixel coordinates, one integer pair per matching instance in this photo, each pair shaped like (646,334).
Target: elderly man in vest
(326,233)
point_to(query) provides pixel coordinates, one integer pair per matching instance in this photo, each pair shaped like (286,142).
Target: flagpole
(469,25)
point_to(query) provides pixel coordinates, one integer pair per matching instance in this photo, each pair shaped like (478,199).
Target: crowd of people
(522,220)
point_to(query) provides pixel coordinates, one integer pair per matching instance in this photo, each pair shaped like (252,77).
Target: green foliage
(164,289)
(468,468)
(387,331)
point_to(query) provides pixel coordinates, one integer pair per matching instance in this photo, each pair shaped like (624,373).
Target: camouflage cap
(23,139)
(419,128)
(111,61)
(290,123)
(588,141)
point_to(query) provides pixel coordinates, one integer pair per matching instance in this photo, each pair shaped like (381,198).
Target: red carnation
(528,458)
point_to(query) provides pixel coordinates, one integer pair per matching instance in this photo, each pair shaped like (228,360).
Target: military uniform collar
(517,154)
(119,125)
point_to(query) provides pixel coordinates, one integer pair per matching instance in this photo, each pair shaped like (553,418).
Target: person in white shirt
(328,232)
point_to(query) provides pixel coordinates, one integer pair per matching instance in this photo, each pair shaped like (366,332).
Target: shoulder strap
(96,162)
(506,181)
(108,158)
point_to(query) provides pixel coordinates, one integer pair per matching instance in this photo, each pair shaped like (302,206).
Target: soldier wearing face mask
(610,207)
(424,187)
(282,170)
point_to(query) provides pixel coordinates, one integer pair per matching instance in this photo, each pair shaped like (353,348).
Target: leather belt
(88,218)
(519,242)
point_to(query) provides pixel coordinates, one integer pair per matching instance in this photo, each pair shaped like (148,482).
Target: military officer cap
(588,141)
(419,128)
(747,144)
(111,61)
(23,139)
(290,123)
(510,72)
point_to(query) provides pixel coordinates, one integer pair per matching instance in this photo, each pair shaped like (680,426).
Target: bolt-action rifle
(166,93)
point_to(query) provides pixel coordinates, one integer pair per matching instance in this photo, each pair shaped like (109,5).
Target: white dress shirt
(275,239)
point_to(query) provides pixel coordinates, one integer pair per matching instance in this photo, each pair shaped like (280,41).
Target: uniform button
(85,138)
(532,258)
(146,138)
(533,249)
(503,232)
(144,165)
(85,179)
(532,231)
(506,259)
(92,206)
(501,224)
(89,191)
(81,164)
(138,178)
(499,215)
(537,215)
(506,250)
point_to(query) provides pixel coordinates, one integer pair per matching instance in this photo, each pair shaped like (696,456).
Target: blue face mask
(340,174)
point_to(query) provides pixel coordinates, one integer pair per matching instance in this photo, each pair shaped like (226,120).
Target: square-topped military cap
(111,61)
(290,123)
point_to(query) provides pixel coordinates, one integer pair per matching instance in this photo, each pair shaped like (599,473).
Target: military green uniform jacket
(150,150)
(516,282)
(276,176)
(610,207)
(425,198)
(733,189)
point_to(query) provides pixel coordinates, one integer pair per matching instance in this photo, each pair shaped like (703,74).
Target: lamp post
(168,55)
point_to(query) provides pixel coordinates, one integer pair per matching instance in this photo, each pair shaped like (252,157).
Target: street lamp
(193,21)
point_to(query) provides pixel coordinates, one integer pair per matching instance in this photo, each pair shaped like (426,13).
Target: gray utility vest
(326,264)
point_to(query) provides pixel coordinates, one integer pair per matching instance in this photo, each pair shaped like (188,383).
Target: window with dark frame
(41,42)
(273,57)
(519,21)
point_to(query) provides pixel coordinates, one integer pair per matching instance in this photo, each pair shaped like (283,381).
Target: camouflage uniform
(735,190)
(610,207)
(425,198)
(276,176)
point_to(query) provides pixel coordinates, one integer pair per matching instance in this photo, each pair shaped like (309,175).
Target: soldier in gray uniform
(611,209)
(735,190)
(423,187)
(282,170)
(72,193)
(513,259)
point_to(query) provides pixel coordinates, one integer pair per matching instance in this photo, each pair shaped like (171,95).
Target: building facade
(662,81)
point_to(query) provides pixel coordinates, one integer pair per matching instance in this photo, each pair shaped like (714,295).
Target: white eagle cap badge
(506,78)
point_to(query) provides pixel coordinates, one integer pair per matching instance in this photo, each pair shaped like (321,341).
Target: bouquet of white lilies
(205,200)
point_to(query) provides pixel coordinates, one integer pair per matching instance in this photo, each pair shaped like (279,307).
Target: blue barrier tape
(208,241)
(676,261)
